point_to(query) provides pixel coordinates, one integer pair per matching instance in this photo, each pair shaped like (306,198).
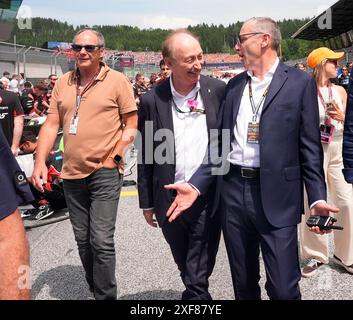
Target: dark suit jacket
(348,135)
(290,148)
(156,107)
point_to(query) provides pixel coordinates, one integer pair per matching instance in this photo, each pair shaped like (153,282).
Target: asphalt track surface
(145,269)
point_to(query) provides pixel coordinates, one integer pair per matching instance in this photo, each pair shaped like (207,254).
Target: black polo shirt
(10,108)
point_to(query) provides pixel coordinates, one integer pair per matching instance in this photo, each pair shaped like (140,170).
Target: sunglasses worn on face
(88,47)
(335,62)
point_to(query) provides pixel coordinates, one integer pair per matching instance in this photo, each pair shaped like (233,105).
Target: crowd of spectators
(342,78)
(23,108)
(153,58)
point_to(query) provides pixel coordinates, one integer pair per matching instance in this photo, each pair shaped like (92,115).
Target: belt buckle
(245,173)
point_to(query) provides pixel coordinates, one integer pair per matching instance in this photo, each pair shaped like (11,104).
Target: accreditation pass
(73,126)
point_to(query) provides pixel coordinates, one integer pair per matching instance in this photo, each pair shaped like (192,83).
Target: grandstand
(338,35)
(212,60)
(8,13)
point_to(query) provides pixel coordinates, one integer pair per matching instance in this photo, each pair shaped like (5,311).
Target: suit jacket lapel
(164,105)
(236,96)
(164,111)
(210,103)
(279,79)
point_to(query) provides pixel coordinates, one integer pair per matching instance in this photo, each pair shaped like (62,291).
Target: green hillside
(214,38)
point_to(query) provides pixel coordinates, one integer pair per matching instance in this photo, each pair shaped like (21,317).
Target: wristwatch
(117,158)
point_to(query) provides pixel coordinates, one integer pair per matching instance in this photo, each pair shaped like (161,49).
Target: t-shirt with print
(10,108)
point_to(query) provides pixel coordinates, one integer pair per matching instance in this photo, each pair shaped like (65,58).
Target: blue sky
(171,13)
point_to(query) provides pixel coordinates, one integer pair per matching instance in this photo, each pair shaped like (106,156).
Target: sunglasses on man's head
(87,47)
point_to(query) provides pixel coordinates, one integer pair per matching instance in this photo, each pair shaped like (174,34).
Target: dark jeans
(246,230)
(93,205)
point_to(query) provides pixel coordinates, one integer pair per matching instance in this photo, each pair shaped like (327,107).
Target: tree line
(214,38)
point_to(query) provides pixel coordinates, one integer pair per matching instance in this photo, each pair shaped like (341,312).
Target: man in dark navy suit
(14,250)
(272,114)
(348,135)
(175,119)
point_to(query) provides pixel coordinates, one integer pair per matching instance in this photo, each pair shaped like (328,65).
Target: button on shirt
(244,154)
(190,134)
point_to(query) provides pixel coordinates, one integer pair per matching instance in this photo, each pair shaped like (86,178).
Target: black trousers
(246,230)
(193,239)
(93,205)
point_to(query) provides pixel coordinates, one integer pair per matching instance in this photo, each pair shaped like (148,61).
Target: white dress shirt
(244,154)
(190,134)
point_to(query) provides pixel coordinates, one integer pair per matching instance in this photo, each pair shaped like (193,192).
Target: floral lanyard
(326,104)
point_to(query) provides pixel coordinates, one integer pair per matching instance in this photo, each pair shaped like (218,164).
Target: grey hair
(100,37)
(269,26)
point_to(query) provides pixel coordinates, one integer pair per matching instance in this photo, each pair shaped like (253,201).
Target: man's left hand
(322,209)
(110,164)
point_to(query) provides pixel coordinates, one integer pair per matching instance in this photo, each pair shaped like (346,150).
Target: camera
(323,222)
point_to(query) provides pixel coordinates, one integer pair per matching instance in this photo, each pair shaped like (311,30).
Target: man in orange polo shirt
(96,108)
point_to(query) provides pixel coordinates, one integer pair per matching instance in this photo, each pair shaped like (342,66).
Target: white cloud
(165,22)
(156,14)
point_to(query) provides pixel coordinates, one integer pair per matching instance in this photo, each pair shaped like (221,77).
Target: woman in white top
(332,102)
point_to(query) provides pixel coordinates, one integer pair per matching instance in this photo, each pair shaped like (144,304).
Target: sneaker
(311,268)
(28,213)
(339,262)
(44,211)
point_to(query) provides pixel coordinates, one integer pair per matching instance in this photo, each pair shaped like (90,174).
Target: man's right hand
(186,196)
(149,216)
(39,176)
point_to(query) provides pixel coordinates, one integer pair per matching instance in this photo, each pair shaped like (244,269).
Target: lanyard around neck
(323,102)
(80,94)
(191,108)
(256,108)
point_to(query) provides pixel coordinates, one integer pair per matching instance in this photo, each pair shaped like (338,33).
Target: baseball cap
(321,54)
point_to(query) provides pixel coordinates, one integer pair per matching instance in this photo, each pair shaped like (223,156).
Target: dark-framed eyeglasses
(87,47)
(240,40)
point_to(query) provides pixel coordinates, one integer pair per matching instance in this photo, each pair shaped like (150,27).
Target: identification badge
(326,131)
(253,133)
(73,126)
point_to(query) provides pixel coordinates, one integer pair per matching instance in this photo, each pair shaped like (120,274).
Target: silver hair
(269,26)
(100,37)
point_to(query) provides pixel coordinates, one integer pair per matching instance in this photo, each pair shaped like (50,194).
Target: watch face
(117,158)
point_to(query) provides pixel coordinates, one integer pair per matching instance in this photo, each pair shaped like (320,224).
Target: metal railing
(21,56)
